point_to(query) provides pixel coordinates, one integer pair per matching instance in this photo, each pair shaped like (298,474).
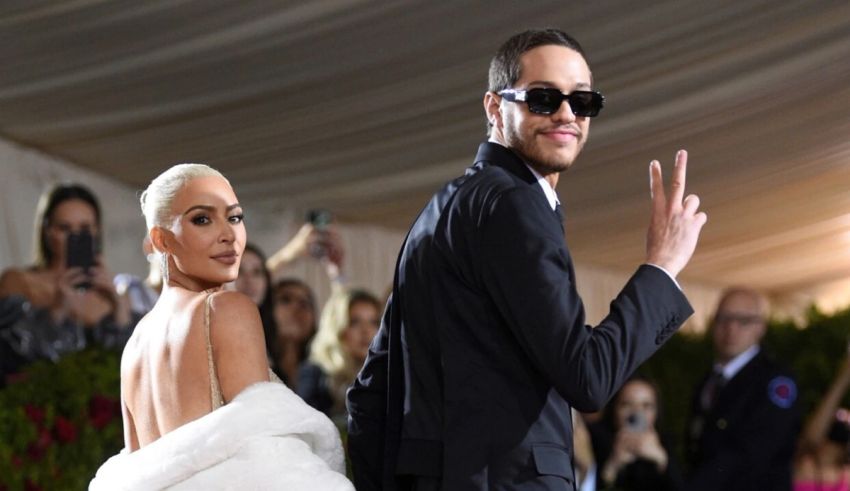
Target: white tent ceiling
(365,108)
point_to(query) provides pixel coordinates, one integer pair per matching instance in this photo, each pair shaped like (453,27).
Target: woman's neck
(186,282)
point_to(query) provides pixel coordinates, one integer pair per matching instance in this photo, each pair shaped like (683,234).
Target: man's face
(548,143)
(738,325)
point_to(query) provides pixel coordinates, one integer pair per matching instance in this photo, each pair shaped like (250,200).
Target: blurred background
(366,108)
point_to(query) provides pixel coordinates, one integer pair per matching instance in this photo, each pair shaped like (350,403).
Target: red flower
(31,486)
(36,449)
(65,430)
(17,462)
(35,414)
(102,410)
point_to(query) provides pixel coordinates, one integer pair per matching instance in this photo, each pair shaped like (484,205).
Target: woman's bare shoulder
(238,342)
(15,281)
(233,310)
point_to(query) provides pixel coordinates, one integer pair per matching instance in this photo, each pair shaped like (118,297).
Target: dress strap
(215,389)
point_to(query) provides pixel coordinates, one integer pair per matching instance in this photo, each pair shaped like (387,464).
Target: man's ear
(159,239)
(492,105)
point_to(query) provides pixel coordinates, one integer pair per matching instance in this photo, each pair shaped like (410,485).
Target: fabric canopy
(365,108)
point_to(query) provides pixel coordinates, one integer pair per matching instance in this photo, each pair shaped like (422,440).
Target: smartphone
(80,252)
(320,219)
(636,422)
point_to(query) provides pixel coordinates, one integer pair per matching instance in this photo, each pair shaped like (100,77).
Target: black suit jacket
(483,347)
(746,440)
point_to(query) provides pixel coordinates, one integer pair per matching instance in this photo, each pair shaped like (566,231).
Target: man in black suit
(745,416)
(483,347)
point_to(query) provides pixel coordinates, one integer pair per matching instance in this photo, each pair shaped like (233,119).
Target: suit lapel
(494,154)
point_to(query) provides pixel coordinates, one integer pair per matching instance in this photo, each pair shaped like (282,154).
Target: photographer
(66,299)
(631,454)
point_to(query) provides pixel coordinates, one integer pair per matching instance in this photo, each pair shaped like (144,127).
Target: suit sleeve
(528,272)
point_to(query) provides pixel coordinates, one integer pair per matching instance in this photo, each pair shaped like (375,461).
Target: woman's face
(207,236)
(293,313)
(636,397)
(71,216)
(252,277)
(363,322)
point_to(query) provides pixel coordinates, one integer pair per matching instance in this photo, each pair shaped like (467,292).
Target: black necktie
(560,215)
(711,390)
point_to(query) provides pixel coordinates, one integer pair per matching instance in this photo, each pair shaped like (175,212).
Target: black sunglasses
(584,103)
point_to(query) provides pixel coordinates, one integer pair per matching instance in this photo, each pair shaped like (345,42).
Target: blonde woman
(347,325)
(201,409)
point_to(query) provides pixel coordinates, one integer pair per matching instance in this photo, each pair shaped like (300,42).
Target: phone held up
(636,421)
(80,253)
(320,220)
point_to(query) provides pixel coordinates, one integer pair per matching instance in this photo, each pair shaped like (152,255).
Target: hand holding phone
(636,421)
(320,220)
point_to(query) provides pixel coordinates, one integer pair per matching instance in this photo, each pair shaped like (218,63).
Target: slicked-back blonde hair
(157,198)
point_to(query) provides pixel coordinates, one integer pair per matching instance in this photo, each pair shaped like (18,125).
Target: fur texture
(266,438)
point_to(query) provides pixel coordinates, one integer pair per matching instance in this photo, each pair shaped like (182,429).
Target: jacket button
(722,424)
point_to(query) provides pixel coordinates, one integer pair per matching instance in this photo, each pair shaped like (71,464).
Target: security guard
(745,416)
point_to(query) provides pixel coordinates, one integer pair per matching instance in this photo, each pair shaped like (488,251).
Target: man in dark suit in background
(745,417)
(483,346)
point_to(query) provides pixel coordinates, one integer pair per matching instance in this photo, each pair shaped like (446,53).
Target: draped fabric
(266,438)
(365,108)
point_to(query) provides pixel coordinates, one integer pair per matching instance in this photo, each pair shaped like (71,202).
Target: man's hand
(675,223)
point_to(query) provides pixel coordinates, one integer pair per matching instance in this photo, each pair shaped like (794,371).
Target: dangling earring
(164,267)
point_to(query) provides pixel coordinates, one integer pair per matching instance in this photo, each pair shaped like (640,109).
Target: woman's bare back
(165,381)
(165,369)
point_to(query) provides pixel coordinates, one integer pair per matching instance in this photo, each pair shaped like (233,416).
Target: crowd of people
(427,382)
(54,307)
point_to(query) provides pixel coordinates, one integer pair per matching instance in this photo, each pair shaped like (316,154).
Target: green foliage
(60,421)
(813,354)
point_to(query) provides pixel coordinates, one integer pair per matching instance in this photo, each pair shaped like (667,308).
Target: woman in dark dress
(630,454)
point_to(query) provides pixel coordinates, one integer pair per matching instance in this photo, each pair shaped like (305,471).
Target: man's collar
(733,366)
(496,154)
(551,196)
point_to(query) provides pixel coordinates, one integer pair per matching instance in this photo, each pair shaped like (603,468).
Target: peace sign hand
(675,224)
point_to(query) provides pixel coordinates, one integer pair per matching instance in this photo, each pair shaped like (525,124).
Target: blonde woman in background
(349,321)
(201,408)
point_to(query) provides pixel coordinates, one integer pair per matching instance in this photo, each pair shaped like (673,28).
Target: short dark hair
(505,67)
(44,214)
